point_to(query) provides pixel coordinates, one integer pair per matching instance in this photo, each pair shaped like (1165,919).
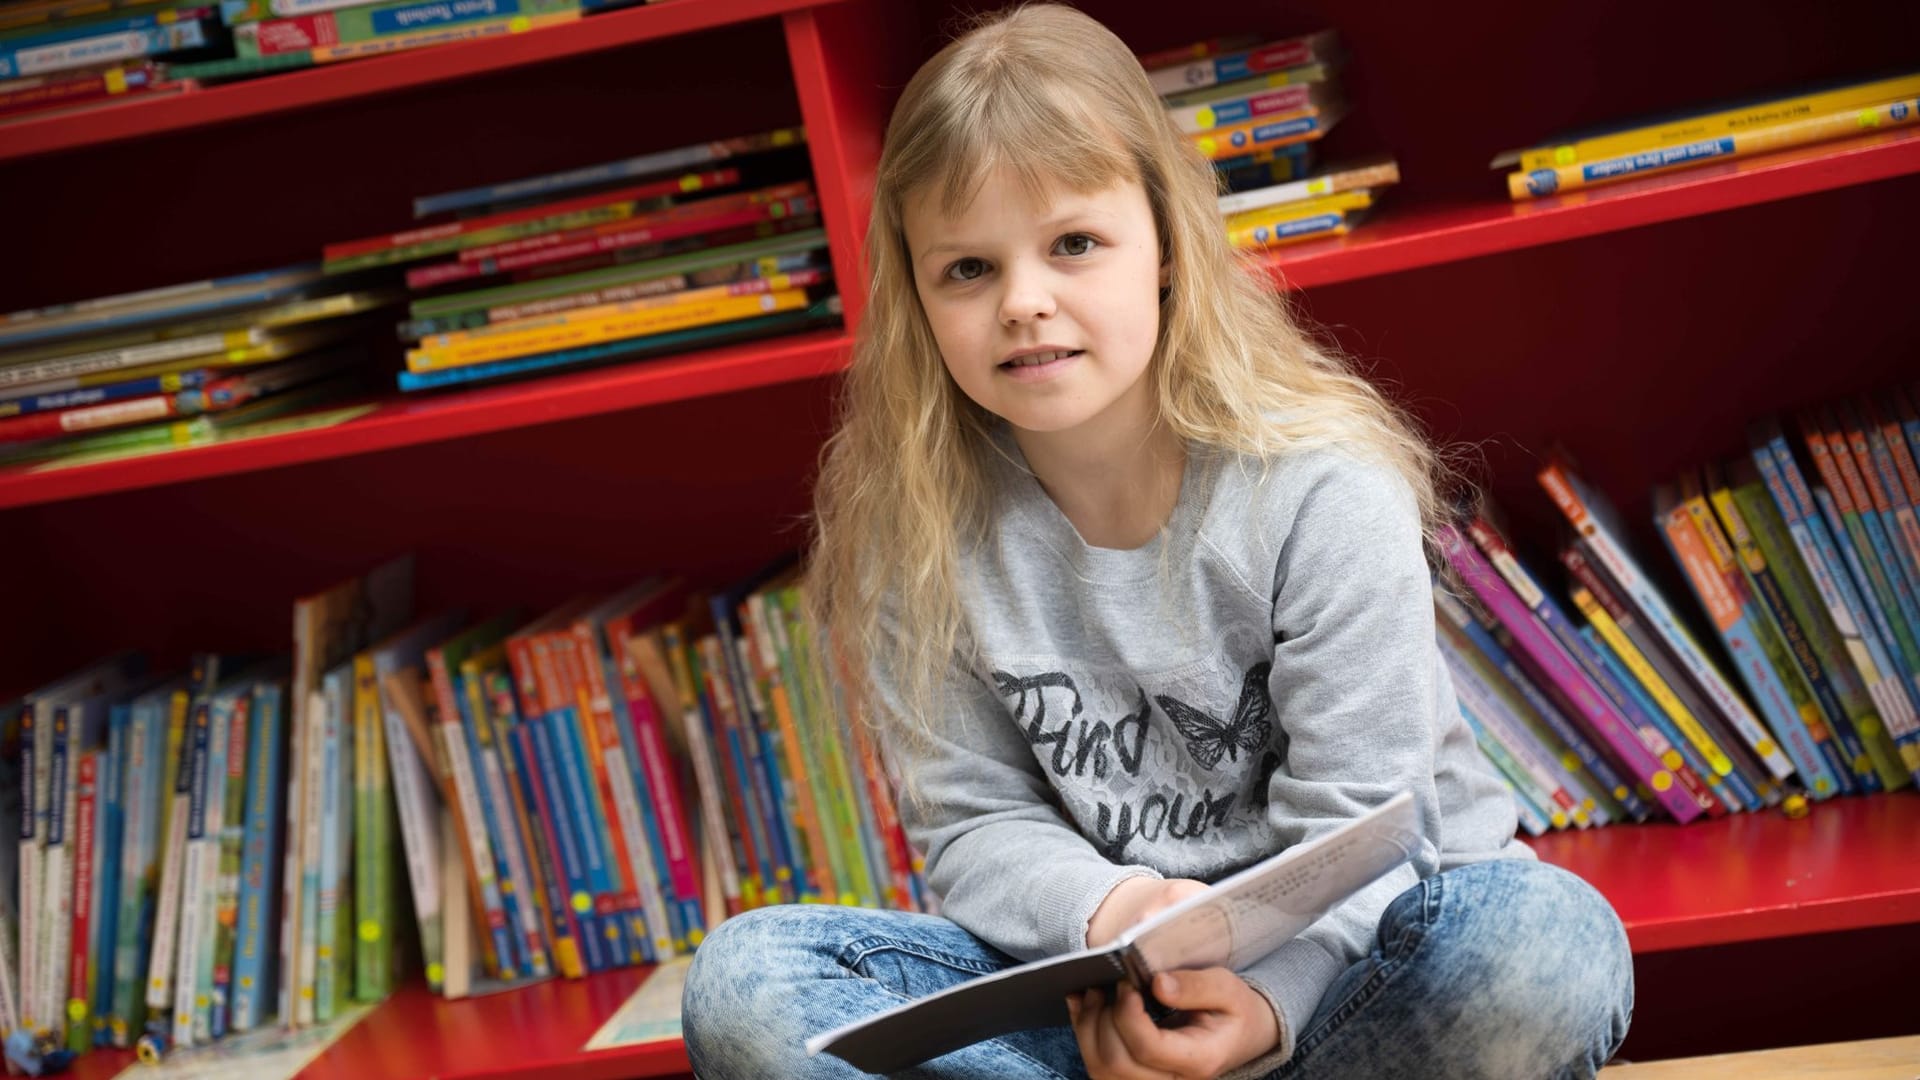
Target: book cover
(1234,923)
(264,820)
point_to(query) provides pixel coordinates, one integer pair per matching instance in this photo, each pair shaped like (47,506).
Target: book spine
(1759,658)
(1528,772)
(544,780)
(614,805)
(1864,775)
(160,967)
(829,872)
(1612,554)
(1883,471)
(611,240)
(575,949)
(372,969)
(1655,698)
(1877,571)
(1557,179)
(577,795)
(665,161)
(1266,133)
(624,784)
(438,35)
(1548,641)
(1789,653)
(1529,802)
(836,788)
(745,795)
(230,840)
(264,822)
(193,898)
(662,783)
(1693,128)
(419,835)
(1228,111)
(1642,715)
(550,939)
(481,862)
(140,807)
(122,44)
(79,1016)
(56,913)
(305,32)
(1244,64)
(715,800)
(510,868)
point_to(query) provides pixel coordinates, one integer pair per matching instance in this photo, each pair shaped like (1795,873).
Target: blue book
(256,947)
(108,838)
(580,799)
(99,395)
(516,961)
(1821,556)
(594,951)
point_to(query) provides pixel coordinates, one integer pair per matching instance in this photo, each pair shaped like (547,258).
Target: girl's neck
(1118,488)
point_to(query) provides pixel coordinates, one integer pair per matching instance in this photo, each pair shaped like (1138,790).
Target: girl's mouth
(1033,360)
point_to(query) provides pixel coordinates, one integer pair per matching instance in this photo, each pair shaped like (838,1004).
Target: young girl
(1137,576)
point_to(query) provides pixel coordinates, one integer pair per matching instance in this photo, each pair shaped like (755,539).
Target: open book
(1233,924)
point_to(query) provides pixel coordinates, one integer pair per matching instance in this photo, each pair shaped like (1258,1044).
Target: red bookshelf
(343,82)
(1642,324)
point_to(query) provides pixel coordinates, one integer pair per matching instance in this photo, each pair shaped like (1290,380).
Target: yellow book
(1818,128)
(683,298)
(1339,201)
(1267,133)
(1656,687)
(548,339)
(1709,125)
(458,32)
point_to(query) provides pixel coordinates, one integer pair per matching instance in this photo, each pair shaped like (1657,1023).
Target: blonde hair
(1051,97)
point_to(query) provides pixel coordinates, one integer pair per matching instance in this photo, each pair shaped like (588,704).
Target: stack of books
(62,55)
(180,365)
(670,251)
(1580,160)
(284,35)
(483,800)
(1807,685)
(1257,111)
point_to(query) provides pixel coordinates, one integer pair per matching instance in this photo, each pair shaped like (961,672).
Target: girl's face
(1046,315)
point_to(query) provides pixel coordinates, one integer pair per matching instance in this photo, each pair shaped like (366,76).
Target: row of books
(1693,138)
(1808,686)
(593,788)
(63,55)
(1257,110)
(678,249)
(182,364)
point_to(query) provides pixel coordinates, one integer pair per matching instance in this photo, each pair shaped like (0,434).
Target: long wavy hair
(1053,98)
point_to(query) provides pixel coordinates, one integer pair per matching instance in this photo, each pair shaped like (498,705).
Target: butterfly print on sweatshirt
(1208,739)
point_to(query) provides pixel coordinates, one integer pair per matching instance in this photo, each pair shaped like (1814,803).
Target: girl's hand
(1132,901)
(1228,1024)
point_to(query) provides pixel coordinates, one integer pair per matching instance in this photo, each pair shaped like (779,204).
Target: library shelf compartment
(1404,238)
(1850,864)
(349,80)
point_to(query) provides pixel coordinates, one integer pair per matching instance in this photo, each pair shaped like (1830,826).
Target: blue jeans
(1510,970)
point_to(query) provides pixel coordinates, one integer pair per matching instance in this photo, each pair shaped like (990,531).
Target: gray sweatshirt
(1263,672)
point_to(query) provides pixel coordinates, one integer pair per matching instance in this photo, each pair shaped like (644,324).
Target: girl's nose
(1025,297)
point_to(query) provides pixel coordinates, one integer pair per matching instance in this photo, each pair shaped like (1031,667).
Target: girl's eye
(966,269)
(1075,244)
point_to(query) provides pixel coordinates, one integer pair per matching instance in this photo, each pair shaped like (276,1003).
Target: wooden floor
(1874,1059)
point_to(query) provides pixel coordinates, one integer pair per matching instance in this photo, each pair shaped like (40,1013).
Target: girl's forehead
(1004,193)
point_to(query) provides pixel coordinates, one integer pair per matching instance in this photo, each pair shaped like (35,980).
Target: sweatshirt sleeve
(1007,863)
(1358,693)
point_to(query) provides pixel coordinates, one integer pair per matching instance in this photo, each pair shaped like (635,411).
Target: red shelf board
(346,80)
(406,421)
(537,1031)
(1433,234)
(1850,864)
